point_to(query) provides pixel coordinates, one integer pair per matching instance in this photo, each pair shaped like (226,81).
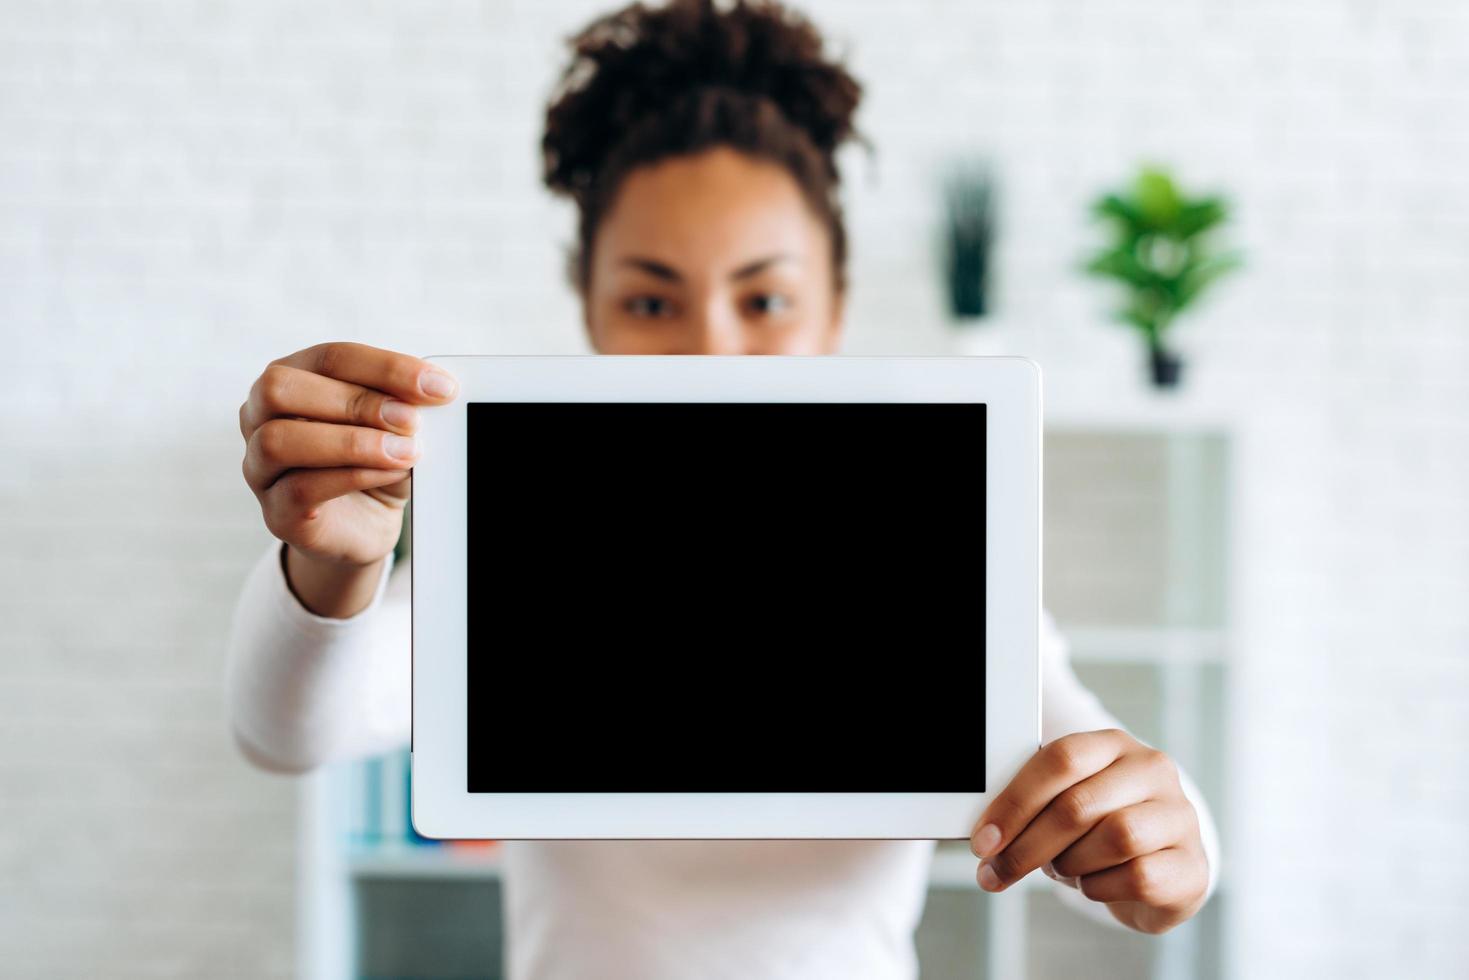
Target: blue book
(372,796)
(394,812)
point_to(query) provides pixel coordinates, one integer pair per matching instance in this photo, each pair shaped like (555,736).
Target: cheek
(600,312)
(813,333)
(611,330)
(809,336)
(609,338)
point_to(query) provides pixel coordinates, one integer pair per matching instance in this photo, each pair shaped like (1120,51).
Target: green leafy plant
(1162,252)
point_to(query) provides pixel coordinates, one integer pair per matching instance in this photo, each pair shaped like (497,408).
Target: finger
(403,376)
(298,494)
(1160,880)
(1057,765)
(282,444)
(1123,835)
(282,391)
(1068,816)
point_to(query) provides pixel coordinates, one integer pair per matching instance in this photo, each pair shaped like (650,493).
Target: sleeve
(1067,706)
(302,690)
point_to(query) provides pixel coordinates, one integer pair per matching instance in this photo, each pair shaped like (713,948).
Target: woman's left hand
(1105,814)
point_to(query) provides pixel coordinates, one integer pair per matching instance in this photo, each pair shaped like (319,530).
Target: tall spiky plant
(1162,252)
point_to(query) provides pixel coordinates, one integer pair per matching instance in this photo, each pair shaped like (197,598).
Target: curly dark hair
(647,83)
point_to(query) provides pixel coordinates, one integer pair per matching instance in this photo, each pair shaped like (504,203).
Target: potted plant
(1161,252)
(969,239)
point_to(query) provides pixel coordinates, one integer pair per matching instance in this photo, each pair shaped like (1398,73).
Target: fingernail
(400,447)
(437,384)
(399,414)
(1050,869)
(986,840)
(988,880)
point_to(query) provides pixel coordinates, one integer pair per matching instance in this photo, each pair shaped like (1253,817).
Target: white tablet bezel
(442,806)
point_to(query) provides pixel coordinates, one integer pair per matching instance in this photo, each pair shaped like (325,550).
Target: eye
(648,306)
(768,303)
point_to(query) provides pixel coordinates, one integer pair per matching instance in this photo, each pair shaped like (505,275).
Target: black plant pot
(1166,367)
(968,280)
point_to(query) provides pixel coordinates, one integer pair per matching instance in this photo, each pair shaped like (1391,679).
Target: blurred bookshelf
(1136,568)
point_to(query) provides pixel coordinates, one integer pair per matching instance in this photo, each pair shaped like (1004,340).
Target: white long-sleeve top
(304,690)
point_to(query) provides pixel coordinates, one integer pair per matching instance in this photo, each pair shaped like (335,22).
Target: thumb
(394,494)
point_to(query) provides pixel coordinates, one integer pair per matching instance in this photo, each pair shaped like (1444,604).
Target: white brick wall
(187,191)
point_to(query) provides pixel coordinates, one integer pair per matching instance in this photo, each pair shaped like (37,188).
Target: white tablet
(724,596)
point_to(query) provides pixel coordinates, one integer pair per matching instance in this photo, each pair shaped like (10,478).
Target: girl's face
(714,253)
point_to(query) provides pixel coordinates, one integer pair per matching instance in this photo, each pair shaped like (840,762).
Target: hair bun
(638,61)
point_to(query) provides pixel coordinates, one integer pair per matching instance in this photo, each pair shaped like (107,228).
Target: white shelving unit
(1153,466)
(331,869)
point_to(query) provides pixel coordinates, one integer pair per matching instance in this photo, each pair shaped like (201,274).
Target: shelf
(425,861)
(953,867)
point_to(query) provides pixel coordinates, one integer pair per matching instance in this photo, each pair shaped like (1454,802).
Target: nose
(715,329)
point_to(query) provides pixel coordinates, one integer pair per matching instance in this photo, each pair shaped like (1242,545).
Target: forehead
(719,206)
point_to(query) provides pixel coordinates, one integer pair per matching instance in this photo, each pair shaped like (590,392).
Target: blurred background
(1263,566)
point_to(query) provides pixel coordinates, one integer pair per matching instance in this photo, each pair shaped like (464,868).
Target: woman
(698,146)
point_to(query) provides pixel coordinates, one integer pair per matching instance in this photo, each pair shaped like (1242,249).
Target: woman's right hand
(329,442)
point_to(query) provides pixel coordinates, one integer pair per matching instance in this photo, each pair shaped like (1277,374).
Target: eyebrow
(655,268)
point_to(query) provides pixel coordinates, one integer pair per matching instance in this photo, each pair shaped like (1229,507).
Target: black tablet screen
(727,597)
